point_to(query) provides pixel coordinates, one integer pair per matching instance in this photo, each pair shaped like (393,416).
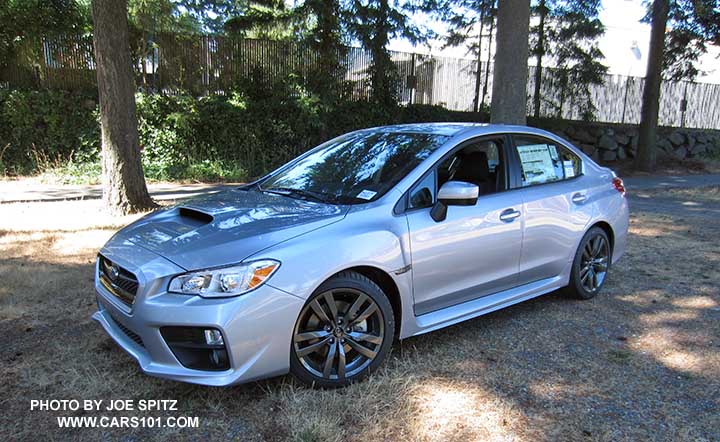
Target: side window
(544,161)
(423,194)
(479,163)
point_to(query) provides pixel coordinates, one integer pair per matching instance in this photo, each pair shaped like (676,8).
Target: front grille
(129,333)
(118,281)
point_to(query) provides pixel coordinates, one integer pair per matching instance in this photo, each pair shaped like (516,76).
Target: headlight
(226,281)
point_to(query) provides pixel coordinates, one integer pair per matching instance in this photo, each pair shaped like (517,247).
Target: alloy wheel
(339,334)
(594,263)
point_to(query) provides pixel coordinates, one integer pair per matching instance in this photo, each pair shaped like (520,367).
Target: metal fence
(214,64)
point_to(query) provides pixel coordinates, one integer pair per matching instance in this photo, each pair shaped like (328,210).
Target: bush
(235,137)
(42,128)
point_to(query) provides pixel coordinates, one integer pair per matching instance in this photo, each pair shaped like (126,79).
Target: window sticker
(569,169)
(366,194)
(537,163)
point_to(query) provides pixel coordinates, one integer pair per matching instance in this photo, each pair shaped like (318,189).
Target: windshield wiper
(308,194)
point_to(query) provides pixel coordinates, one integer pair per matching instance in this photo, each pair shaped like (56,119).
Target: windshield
(356,168)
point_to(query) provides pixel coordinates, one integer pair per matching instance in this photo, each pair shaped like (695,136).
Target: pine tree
(325,35)
(124,189)
(693,23)
(510,74)
(566,32)
(469,22)
(374,23)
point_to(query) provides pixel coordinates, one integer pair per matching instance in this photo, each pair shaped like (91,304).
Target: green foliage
(233,138)
(24,22)
(39,129)
(374,23)
(567,33)
(692,25)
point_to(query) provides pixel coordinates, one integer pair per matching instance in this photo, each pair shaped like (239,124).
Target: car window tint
(423,194)
(479,163)
(544,161)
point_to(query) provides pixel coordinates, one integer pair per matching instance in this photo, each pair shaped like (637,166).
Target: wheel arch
(607,228)
(387,285)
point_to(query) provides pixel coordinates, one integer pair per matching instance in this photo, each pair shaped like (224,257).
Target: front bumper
(257,327)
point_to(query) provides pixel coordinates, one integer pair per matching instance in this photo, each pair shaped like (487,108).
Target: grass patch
(543,370)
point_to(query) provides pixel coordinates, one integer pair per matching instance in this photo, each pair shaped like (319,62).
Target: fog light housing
(213,337)
(197,348)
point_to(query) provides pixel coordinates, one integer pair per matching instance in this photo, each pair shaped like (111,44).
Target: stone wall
(616,142)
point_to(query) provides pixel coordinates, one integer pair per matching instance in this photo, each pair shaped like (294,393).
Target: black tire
(590,266)
(360,336)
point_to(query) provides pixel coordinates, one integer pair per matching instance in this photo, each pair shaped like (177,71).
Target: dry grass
(642,361)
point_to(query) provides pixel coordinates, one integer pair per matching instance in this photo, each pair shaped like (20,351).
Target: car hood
(226,227)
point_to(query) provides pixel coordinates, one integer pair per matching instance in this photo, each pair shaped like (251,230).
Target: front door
(475,251)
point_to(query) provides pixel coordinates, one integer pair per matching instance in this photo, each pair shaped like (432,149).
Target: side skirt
(481,306)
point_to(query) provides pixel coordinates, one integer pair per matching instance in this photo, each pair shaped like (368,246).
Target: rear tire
(591,265)
(343,333)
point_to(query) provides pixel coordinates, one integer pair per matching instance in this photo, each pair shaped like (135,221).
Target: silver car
(378,234)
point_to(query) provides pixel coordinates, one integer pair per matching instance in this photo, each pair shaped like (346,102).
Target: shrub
(40,128)
(244,134)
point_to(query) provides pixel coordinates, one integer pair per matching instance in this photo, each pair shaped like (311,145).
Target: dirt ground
(639,362)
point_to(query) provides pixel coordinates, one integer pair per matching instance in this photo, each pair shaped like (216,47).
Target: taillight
(619,185)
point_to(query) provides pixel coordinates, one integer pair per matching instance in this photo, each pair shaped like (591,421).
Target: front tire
(591,265)
(343,333)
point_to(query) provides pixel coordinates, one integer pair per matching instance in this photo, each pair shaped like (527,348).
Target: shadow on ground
(640,362)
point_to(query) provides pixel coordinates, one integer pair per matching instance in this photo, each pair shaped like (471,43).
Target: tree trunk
(509,92)
(646,154)
(124,189)
(478,73)
(487,65)
(539,53)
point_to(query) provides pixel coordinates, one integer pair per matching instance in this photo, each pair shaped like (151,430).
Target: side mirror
(454,193)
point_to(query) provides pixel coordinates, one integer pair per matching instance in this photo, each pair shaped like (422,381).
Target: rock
(702,138)
(665,156)
(690,141)
(634,142)
(681,152)
(589,149)
(609,155)
(583,136)
(665,145)
(607,142)
(677,138)
(621,155)
(700,149)
(622,139)
(597,131)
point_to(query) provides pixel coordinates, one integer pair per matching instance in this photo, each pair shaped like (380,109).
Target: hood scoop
(194,217)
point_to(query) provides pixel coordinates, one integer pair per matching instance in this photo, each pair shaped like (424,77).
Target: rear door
(556,205)
(475,251)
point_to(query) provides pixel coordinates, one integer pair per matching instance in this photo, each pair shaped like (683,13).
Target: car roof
(454,129)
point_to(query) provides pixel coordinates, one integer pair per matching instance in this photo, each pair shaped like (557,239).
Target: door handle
(509,215)
(579,198)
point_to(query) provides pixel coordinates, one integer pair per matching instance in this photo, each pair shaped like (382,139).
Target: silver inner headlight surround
(225,281)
